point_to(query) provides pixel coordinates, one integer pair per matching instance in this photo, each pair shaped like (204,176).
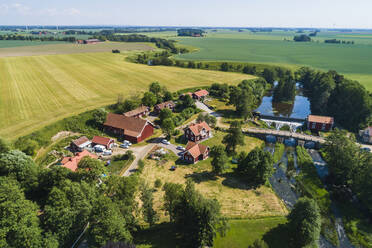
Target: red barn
(197,131)
(103,141)
(195,152)
(130,128)
(319,123)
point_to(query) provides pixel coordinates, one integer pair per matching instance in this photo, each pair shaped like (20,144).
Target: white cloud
(72,12)
(20,8)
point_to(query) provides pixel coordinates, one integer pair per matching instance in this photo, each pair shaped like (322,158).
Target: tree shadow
(228,113)
(199,177)
(278,237)
(233,180)
(181,139)
(158,236)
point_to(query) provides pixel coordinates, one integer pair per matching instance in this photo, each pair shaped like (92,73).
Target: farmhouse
(138,112)
(91,41)
(103,141)
(319,123)
(195,152)
(197,131)
(169,104)
(200,94)
(366,135)
(79,144)
(130,128)
(72,162)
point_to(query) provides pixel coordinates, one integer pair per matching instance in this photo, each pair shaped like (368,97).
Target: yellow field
(38,90)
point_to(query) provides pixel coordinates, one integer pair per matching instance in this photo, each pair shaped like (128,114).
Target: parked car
(366,149)
(173,168)
(181,148)
(125,146)
(99,148)
(127,142)
(165,142)
(107,153)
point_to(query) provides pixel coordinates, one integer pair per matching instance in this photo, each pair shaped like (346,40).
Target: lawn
(237,199)
(352,60)
(244,232)
(38,90)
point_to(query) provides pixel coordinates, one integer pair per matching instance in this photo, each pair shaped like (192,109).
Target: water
(300,108)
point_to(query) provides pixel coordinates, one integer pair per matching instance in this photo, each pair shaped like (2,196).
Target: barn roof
(132,126)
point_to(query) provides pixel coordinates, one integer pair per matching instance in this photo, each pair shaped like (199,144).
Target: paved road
(140,153)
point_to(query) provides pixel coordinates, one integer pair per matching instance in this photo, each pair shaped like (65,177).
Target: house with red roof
(79,144)
(103,141)
(138,112)
(320,123)
(129,128)
(72,162)
(195,152)
(200,94)
(197,132)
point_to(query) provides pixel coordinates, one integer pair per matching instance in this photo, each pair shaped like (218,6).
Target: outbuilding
(138,112)
(103,141)
(79,144)
(320,123)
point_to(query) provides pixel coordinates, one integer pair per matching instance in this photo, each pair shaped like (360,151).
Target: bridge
(262,133)
(281,118)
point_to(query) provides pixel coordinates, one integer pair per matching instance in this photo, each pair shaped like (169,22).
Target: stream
(285,188)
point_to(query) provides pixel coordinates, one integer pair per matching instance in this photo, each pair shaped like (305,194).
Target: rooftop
(195,149)
(320,119)
(132,126)
(72,162)
(137,111)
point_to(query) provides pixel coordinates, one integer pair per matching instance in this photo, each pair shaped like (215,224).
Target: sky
(215,13)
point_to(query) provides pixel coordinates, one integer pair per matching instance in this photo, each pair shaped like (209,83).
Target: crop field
(38,90)
(49,48)
(351,60)
(24,43)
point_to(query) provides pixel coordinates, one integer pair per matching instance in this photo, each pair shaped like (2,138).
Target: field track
(38,90)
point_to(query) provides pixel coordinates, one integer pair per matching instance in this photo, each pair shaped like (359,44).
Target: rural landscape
(223,135)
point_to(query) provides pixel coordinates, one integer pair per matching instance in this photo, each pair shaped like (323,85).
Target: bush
(157,183)
(115,51)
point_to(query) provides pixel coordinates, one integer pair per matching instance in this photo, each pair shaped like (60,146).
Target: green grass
(278,153)
(22,43)
(352,60)
(244,232)
(117,165)
(40,90)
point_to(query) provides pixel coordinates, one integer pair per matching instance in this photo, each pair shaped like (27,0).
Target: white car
(107,153)
(181,148)
(165,142)
(125,146)
(127,142)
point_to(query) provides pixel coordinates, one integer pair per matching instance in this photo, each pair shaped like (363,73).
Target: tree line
(37,38)
(335,41)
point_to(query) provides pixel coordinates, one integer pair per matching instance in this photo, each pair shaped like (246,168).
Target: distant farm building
(72,162)
(169,105)
(103,141)
(366,135)
(320,123)
(200,94)
(91,41)
(197,131)
(79,144)
(138,112)
(130,128)
(195,152)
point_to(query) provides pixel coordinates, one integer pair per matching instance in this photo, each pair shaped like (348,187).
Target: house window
(323,126)
(313,125)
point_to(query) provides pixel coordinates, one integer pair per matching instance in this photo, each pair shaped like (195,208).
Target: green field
(38,90)
(352,60)
(22,43)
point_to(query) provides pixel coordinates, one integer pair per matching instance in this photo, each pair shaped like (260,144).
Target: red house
(72,162)
(103,141)
(138,112)
(195,152)
(200,94)
(130,128)
(169,105)
(197,131)
(319,123)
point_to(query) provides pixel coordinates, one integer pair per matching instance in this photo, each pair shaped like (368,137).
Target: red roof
(168,104)
(320,119)
(201,93)
(130,125)
(195,150)
(101,140)
(196,128)
(72,162)
(80,141)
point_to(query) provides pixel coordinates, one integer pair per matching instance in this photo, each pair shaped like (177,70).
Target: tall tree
(168,126)
(304,222)
(91,169)
(155,88)
(172,194)
(257,166)
(19,224)
(219,159)
(147,198)
(149,99)
(234,138)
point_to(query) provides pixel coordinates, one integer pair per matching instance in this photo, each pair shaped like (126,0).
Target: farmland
(351,60)
(38,90)
(32,48)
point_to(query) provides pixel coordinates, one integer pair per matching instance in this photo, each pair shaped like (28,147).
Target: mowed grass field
(352,60)
(15,48)
(38,90)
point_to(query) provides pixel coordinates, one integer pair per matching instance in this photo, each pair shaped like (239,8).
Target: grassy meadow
(38,90)
(224,45)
